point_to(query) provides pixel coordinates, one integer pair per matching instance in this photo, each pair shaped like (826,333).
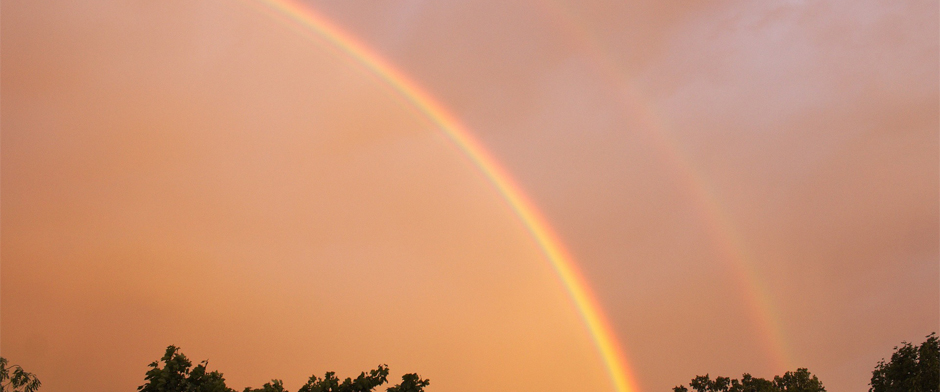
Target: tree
(14,379)
(911,369)
(363,383)
(410,383)
(273,386)
(175,375)
(799,381)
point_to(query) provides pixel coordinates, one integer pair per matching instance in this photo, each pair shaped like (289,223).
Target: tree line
(912,368)
(177,374)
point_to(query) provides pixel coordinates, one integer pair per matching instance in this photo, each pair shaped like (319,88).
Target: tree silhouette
(273,386)
(799,381)
(14,379)
(174,373)
(911,369)
(410,383)
(363,383)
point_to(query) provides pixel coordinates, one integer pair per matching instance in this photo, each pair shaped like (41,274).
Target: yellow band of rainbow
(588,306)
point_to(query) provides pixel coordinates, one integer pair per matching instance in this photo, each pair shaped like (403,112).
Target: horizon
(625,195)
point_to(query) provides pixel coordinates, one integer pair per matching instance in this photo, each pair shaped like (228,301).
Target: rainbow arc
(319,28)
(729,244)
(315,26)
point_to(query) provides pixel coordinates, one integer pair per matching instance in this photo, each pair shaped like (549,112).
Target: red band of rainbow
(586,303)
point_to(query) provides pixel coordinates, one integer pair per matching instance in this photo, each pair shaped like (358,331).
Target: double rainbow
(311,24)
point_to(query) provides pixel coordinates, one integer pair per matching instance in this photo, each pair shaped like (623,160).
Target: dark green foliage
(911,369)
(330,383)
(410,383)
(799,381)
(273,386)
(364,383)
(14,379)
(175,375)
(751,384)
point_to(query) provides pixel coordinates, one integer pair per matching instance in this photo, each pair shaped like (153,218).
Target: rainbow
(317,27)
(729,244)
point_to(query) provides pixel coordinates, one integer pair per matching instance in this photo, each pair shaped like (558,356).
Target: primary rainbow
(317,27)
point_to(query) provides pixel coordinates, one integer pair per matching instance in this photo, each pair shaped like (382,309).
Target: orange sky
(198,174)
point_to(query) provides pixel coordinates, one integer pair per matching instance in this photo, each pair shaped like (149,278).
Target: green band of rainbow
(588,306)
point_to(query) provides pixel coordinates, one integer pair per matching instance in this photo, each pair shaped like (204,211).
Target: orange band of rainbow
(588,306)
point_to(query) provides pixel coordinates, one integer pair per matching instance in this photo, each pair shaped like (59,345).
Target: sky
(744,186)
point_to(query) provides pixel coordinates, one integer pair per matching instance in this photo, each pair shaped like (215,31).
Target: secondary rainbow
(320,29)
(729,244)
